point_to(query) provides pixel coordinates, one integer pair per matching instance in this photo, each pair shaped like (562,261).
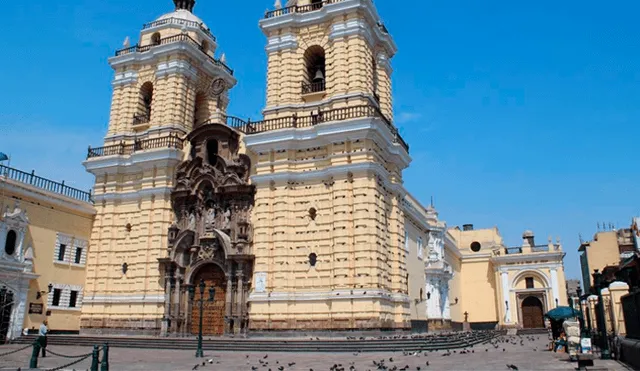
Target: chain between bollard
(16,351)
(70,364)
(63,356)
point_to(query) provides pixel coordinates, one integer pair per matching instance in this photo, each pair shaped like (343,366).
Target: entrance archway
(213,314)
(532,313)
(6,306)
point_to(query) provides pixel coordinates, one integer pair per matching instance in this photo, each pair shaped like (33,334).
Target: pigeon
(512,367)
(292,364)
(195,367)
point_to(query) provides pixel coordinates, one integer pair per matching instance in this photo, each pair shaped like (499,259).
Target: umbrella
(561,313)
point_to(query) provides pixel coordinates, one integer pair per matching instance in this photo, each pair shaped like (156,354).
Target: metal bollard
(94,358)
(104,366)
(34,355)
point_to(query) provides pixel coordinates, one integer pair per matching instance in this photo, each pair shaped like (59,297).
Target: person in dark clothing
(42,337)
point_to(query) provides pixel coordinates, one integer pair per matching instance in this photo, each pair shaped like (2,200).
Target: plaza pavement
(530,356)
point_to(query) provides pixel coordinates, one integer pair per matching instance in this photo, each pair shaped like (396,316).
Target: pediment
(17,218)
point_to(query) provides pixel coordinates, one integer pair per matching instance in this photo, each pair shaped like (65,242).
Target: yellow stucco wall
(416,267)
(50,214)
(602,251)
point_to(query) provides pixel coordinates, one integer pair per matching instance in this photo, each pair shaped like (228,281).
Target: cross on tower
(466,316)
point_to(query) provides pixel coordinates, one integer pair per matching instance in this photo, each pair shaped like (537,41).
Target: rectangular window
(73,298)
(63,250)
(406,240)
(419,251)
(529,281)
(56,297)
(78,255)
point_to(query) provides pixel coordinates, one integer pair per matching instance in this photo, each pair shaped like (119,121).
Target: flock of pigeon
(399,363)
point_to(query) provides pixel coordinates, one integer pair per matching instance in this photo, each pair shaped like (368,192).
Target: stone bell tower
(328,226)
(165,86)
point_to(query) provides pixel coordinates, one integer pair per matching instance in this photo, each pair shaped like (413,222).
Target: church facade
(299,221)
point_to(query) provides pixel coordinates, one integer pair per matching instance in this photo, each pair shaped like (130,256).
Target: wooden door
(213,312)
(532,314)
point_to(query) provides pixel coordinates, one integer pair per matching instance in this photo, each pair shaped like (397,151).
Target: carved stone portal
(211,237)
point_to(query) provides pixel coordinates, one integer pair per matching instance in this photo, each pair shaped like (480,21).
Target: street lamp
(40,294)
(579,294)
(598,282)
(192,294)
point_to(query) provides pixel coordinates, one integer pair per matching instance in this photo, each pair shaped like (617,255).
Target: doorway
(532,313)
(6,306)
(213,313)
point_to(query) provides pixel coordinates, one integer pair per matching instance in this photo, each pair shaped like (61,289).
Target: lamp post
(598,282)
(581,319)
(192,294)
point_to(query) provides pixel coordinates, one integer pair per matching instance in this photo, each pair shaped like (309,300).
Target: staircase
(407,343)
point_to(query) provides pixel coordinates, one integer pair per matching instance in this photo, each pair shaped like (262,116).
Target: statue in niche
(226,224)
(192,221)
(210,220)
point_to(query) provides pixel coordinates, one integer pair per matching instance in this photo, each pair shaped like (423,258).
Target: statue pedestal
(466,326)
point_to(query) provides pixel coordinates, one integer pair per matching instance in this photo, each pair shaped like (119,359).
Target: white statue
(227,219)
(210,220)
(192,221)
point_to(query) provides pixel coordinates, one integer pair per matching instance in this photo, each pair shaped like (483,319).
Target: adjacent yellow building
(44,234)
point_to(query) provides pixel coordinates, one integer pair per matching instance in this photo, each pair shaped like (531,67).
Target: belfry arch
(211,238)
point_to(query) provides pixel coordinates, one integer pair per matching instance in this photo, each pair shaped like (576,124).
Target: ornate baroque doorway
(214,312)
(532,313)
(211,237)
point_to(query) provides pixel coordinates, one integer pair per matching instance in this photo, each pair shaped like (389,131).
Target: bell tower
(166,85)
(328,222)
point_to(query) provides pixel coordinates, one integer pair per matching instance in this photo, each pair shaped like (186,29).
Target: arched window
(314,80)
(374,71)
(144,103)
(212,151)
(10,244)
(155,38)
(204,46)
(200,109)
(316,4)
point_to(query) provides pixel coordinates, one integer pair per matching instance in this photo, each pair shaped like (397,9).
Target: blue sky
(523,115)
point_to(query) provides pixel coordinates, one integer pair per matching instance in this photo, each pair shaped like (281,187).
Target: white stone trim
(124,78)
(135,162)
(555,288)
(160,51)
(65,295)
(50,198)
(334,295)
(327,13)
(125,299)
(180,67)
(420,248)
(506,296)
(180,23)
(169,128)
(281,42)
(322,103)
(516,258)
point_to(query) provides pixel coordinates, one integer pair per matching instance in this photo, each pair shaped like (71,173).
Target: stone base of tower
(439,325)
(121,326)
(332,325)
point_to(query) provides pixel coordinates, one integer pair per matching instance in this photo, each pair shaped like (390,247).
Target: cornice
(160,51)
(321,103)
(327,133)
(124,78)
(49,198)
(281,42)
(517,258)
(135,162)
(134,195)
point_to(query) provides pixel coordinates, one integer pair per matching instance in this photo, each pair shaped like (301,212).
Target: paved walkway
(531,355)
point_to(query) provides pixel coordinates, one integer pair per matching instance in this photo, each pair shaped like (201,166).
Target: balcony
(299,9)
(141,122)
(179,22)
(184,38)
(44,184)
(315,87)
(340,114)
(122,149)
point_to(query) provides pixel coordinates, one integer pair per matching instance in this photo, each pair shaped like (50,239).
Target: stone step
(251,345)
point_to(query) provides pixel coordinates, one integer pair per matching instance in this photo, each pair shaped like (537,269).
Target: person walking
(42,337)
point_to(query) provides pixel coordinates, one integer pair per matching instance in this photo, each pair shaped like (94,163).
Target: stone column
(19,308)
(228,301)
(239,297)
(164,330)
(554,287)
(618,290)
(506,297)
(446,314)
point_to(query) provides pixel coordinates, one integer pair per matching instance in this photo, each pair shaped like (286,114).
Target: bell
(319,77)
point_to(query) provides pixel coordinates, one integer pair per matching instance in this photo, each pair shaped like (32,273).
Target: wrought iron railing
(179,21)
(314,87)
(536,248)
(141,119)
(122,148)
(513,250)
(170,40)
(299,9)
(45,184)
(631,310)
(339,114)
